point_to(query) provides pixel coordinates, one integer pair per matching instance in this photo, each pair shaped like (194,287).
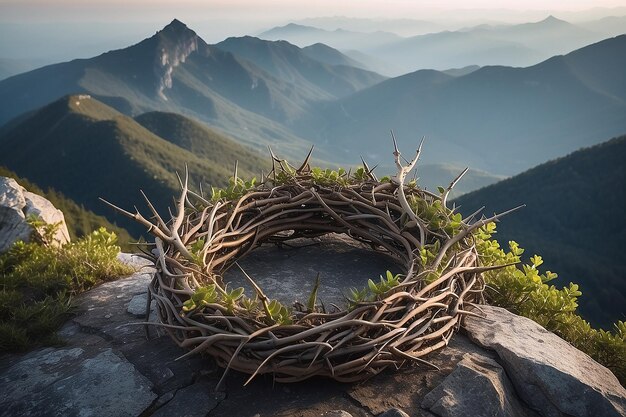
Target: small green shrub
(524,290)
(37,281)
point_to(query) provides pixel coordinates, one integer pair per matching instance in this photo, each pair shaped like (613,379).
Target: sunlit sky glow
(277,9)
(29,28)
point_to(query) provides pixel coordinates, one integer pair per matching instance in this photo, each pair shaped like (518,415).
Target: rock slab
(549,374)
(108,367)
(16,205)
(479,387)
(72,382)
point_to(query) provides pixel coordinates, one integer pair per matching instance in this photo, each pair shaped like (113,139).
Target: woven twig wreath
(393,322)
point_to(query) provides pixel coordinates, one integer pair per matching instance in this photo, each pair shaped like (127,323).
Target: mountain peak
(551,20)
(176,43)
(177,29)
(176,24)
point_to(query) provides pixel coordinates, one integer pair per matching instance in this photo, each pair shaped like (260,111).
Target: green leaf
(313,297)
(189,305)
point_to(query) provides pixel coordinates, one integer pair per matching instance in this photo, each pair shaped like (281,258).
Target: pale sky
(42,28)
(20,10)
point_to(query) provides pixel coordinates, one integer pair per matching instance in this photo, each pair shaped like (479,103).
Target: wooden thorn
(419,148)
(452,185)
(274,157)
(180,181)
(367,168)
(119,209)
(305,163)
(396,152)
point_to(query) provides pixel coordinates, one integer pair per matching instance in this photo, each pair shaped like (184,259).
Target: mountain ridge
(98,152)
(492,118)
(573,219)
(174,70)
(292,64)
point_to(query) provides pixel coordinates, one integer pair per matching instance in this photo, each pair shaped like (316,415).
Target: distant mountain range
(574,218)
(402,27)
(177,71)
(512,45)
(86,150)
(288,63)
(499,119)
(302,35)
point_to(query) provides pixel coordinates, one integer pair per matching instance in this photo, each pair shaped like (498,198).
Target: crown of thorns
(396,321)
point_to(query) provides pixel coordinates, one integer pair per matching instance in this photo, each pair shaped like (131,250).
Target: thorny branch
(402,325)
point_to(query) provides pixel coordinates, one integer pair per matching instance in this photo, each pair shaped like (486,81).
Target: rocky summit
(498,365)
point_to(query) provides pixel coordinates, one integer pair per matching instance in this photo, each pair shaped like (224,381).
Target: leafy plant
(231,298)
(237,187)
(386,284)
(37,282)
(196,250)
(360,174)
(250,305)
(278,313)
(328,177)
(313,297)
(374,290)
(42,231)
(436,216)
(524,290)
(202,297)
(357,296)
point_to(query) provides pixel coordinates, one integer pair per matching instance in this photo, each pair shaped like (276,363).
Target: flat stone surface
(196,400)
(104,309)
(70,382)
(137,305)
(381,393)
(477,387)
(101,341)
(265,398)
(287,272)
(549,374)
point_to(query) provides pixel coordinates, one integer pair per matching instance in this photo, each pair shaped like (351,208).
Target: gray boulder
(549,374)
(478,387)
(16,205)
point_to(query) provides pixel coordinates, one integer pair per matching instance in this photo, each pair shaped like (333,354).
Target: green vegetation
(80,221)
(98,152)
(574,217)
(204,142)
(38,281)
(235,301)
(525,291)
